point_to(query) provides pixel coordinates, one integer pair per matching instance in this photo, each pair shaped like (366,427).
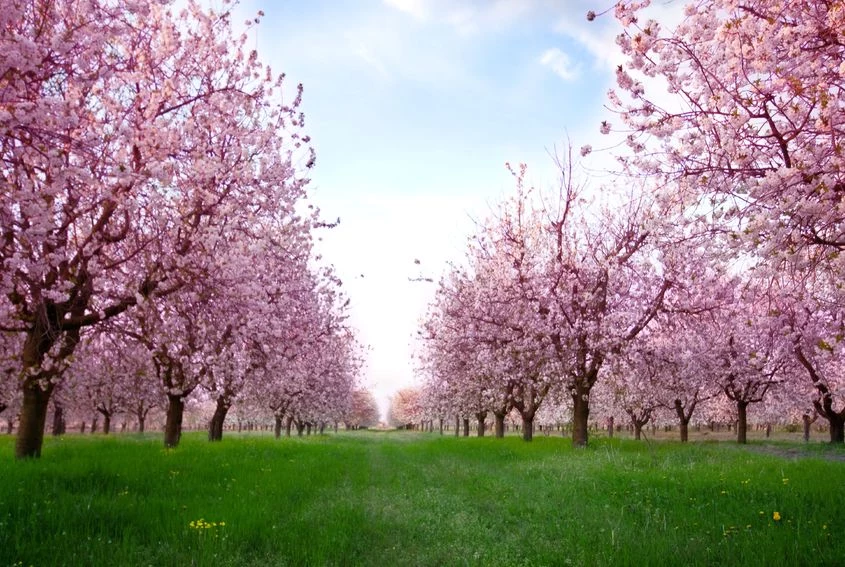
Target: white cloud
(416,8)
(560,63)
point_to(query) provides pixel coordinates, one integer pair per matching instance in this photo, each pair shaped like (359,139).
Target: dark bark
(32,418)
(106,422)
(638,431)
(95,424)
(59,425)
(142,420)
(481,416)
(457,425)
(742,422)
(300,427)
(215,426)
(173,422)
(610,426)
(466,427)
(580,416)
(277,426)
(288,425)
(528,426)
(499,424)
(837,428)
(441,426)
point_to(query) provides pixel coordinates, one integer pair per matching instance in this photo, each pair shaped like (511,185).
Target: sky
(414,107)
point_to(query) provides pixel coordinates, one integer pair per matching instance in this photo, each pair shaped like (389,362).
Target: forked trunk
(32,420)
(173,422)
(580,416)
(742,423)
(215,426)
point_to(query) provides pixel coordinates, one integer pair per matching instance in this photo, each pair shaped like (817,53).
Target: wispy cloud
(560,63)
(466,17)
(416,8)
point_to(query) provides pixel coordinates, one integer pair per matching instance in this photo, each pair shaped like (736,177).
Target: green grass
(419,499)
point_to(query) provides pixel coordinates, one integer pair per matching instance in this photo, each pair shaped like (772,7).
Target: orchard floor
(406,498)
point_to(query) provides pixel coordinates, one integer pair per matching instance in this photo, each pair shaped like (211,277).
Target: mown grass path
(418,499)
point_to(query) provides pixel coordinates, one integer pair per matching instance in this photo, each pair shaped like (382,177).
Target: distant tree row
(714,277)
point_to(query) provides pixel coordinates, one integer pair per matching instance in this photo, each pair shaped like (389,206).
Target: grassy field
(396,499)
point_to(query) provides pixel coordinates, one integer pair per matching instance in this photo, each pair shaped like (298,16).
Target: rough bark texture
(173,423)
(742,423)
(32,419)
(580,417)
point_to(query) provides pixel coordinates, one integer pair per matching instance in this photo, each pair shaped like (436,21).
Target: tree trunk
(457,425)
(300,428)
(58,419)
(32,420)
(288,424)
(837,427)
(580,416)
(684,428)
(481,416)
(500,424)
(106,423)
(807,422)
(466,427)
(215,426)
(95,424)
(142,419)
(742,422)
(638,430)
(277,426)
(610,426)
(173,422)
(441,426)
(527,427)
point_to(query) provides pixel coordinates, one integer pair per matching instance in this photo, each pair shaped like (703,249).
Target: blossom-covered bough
(148,158)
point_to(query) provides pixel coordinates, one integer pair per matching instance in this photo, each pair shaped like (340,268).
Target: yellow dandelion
(776,516)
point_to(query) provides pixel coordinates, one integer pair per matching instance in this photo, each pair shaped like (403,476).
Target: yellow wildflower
(776,516)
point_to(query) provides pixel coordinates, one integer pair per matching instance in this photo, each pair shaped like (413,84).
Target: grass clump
(417,499)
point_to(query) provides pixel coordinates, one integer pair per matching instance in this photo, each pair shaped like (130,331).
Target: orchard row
(707,280)
(155,236)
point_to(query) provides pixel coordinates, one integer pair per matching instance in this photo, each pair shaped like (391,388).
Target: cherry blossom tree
(128,128)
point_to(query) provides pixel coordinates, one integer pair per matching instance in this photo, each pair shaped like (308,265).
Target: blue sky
(414,106)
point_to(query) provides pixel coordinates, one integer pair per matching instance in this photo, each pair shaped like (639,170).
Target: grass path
(419,499)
